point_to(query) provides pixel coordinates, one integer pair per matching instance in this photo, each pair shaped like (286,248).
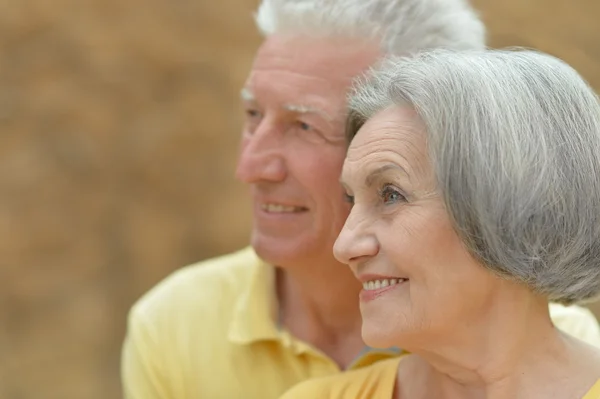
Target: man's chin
(278,251)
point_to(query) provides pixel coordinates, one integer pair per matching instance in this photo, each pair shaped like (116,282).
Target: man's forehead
(306,75)
(336,58)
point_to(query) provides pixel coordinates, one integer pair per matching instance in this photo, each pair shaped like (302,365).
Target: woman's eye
(390,195)
(349,198)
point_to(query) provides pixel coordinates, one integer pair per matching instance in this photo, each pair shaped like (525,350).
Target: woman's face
(419,281)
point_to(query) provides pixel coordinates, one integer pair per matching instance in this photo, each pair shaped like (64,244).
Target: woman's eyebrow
(376,174)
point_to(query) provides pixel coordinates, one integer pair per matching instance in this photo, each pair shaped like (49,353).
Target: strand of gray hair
(515,140)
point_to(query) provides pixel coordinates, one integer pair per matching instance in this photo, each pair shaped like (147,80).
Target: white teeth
(276,208)
(377,284)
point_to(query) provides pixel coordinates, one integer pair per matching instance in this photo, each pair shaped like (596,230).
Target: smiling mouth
(378,284)
(278,208)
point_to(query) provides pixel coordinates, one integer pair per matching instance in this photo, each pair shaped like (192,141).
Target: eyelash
(304,125)
(388,190)
(252,113)
(385,191)
(349,198)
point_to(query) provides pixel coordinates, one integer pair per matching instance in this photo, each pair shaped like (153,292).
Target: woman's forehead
(396,129)
(394,135)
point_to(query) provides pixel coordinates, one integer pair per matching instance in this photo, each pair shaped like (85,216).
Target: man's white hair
(402,26)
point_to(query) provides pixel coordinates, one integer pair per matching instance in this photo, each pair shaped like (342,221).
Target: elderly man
(253,323)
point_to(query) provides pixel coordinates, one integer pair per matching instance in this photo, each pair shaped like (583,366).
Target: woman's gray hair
(514,137)
(403,26)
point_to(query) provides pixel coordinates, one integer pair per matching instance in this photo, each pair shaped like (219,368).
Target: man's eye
(304,126)
(349,198)
(390,195)
(252,113)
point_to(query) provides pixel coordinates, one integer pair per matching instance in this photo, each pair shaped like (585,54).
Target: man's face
(293,143)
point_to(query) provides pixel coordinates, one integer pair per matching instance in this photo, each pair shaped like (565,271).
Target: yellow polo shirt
(373,382)
(208,332)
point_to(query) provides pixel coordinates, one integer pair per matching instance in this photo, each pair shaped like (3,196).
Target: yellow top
(373,382)
(209,331)
(593,393)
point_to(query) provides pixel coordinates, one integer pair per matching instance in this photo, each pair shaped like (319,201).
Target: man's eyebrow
(307,109)
(376,174)
(247,95)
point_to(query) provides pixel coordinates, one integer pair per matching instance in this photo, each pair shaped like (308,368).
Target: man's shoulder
(201,283)
(178,331)
(577,321)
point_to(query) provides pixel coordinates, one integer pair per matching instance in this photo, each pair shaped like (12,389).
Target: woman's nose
(356,241)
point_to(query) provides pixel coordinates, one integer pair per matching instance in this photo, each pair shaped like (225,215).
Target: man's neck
(319,304)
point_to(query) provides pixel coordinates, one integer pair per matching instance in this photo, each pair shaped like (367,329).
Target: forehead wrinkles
(331,64)
(403,148)
(289,88)
(341,57)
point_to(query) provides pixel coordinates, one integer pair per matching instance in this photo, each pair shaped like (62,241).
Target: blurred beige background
(119,123)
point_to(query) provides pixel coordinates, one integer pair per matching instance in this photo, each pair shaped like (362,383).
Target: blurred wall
(119,122)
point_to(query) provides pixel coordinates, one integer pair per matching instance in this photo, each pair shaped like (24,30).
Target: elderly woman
(475,179)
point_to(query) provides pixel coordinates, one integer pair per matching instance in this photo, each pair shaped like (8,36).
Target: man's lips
(274,207)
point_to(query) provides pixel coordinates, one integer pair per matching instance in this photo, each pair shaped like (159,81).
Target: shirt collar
(255,317)
(255,310)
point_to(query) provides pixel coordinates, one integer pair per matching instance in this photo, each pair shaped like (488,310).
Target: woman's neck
(513,352)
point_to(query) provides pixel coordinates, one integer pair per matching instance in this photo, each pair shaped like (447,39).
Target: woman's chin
(377,337)
(383,327)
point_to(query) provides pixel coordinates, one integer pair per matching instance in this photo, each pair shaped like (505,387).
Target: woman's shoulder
(594,392)
(372,382)
(583,368)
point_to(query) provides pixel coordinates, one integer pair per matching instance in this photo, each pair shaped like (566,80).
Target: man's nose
(262,155)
